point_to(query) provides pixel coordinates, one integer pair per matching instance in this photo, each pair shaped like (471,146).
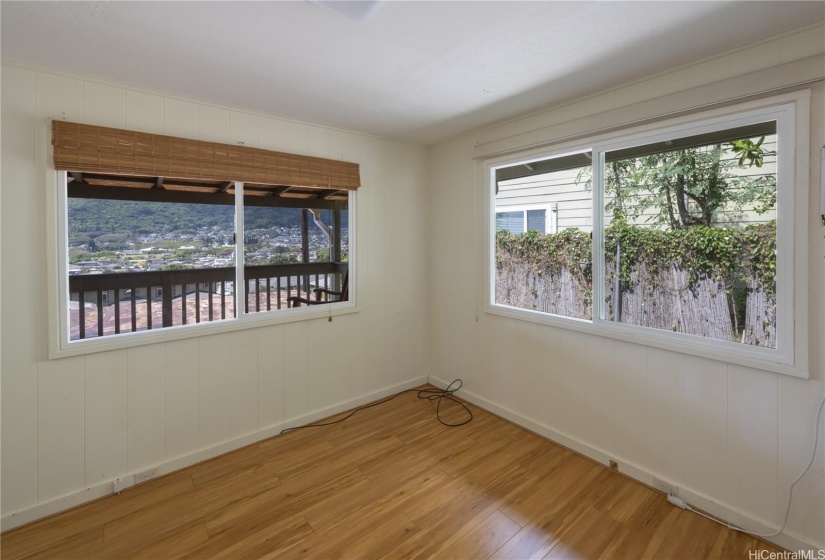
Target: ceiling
(415,71)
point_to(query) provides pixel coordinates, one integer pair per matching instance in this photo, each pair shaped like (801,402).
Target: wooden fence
(662,298)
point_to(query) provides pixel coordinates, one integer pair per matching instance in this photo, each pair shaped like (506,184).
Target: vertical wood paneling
(58,98)
(270,375)
(319,364)
(182,401)
(516,364)
(144,112)
(105,421)
(18,484)
(213,124)
(339,145)
(243,129)
(666,411)
(271,134)
(572,389)
(180,118)
(372,269)
(601,392)
(318,141)
(104,105)
(339,353)
(60,432)
(358,343)
(243,382)
(146,418)
(295,137)
(796,441)
(631,405)
(548,377)
(295,369)
(752,441)
(213,375)
(706,430)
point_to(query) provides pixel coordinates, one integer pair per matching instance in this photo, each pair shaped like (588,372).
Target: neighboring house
(552,202)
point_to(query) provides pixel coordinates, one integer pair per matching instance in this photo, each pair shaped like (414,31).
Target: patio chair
(343,295)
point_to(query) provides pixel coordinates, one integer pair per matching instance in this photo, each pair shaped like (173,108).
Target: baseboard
(696,499)
(75,499)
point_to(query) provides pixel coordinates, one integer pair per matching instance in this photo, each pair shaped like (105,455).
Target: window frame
(58,272)
(791,112)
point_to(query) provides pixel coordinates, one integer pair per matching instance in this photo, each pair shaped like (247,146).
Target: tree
(282,259)
(686,187)
(322,254)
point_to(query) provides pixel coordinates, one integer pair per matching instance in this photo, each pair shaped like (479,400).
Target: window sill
(250,321)
(588,327)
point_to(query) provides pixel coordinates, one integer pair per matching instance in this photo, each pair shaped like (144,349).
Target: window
(686,230)
(159,222)
(541,220)
(170,254)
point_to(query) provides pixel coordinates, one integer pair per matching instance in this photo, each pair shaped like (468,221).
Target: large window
(144,254)
(682,235)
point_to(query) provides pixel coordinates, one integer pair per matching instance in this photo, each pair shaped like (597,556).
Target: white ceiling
(415,71)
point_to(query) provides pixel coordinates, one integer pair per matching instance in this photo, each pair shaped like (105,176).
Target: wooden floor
(391,482)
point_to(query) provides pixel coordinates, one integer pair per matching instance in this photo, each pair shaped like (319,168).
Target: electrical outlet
(146,475)
(118,486)
(666,487)
(614,465)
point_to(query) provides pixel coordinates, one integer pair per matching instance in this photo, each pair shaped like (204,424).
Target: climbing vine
(550,253)
(747,254)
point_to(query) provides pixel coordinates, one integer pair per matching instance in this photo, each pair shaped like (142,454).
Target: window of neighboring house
(138,241)
(541,220)
(689,230)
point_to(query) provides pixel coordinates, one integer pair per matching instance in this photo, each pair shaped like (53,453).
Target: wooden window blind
(98,149)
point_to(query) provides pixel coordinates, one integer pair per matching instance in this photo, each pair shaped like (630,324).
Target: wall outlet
(146,475)
(614,464)
(666,487)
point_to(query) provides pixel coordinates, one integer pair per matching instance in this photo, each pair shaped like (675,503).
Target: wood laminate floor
(390,482)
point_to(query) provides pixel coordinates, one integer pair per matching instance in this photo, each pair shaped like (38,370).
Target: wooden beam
(326,193)
(305,235)
(149,181)
(278,191)
(166,195)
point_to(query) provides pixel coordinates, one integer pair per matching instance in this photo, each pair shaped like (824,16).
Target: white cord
(790,493)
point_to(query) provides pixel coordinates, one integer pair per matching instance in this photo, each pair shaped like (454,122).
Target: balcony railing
(115,303)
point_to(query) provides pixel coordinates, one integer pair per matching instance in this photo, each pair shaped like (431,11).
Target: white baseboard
(105,488)
(697,499)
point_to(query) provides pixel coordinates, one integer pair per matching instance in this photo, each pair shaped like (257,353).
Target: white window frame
(551,223)
(791,112)
(58,269)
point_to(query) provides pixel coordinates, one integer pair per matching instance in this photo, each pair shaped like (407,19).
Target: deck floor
(390,482)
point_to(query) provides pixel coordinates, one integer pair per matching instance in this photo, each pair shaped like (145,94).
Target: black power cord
(428,394)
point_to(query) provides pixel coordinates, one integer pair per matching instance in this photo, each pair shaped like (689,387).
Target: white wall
(77,423)
(730,437)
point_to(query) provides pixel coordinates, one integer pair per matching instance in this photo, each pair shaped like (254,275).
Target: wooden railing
(113,303)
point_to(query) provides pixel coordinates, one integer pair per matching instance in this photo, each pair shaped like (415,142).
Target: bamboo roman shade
(98,149)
